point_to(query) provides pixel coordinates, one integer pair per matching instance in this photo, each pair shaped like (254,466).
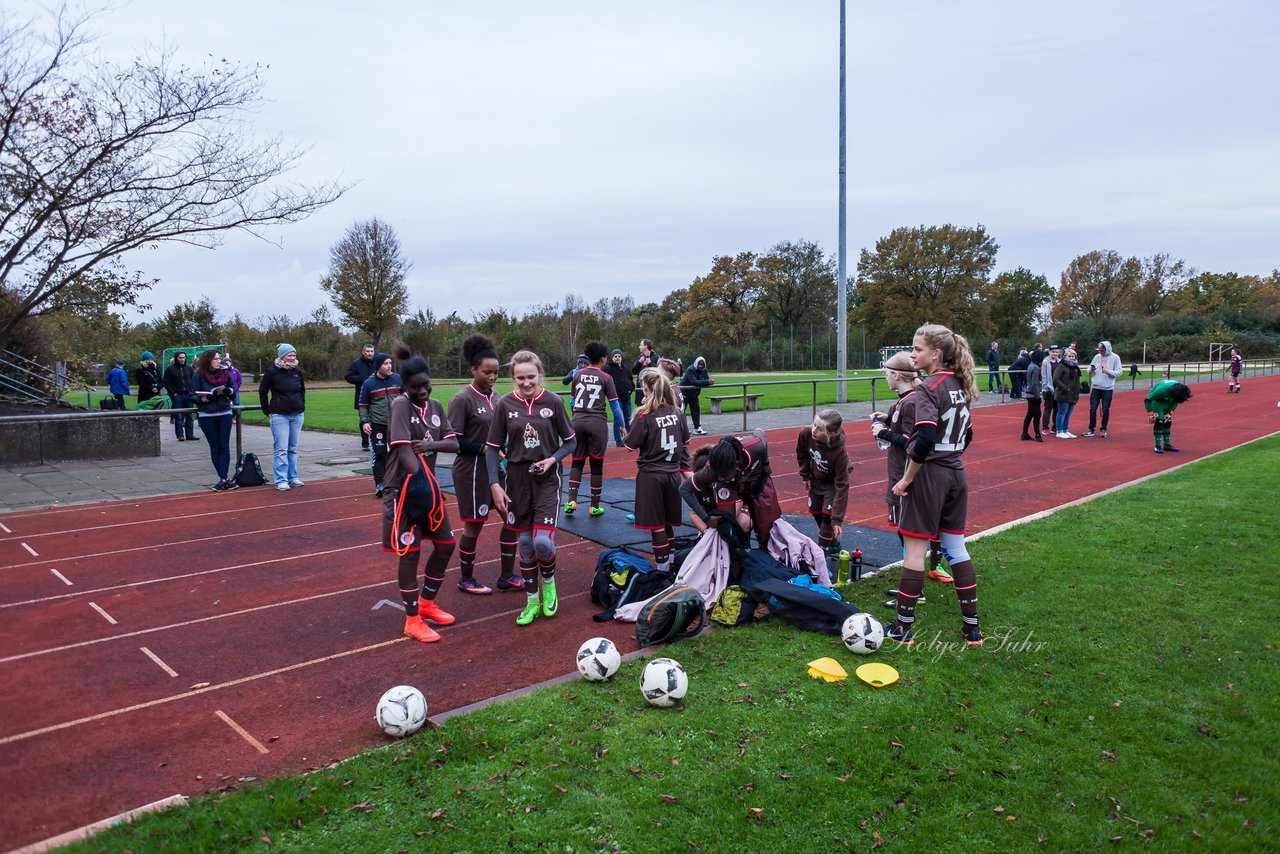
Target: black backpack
(249,470)
(679,612)
(623,576)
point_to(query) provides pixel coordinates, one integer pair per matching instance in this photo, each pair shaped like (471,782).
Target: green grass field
(1128,693)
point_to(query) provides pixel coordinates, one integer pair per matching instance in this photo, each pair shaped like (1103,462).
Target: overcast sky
(525,150)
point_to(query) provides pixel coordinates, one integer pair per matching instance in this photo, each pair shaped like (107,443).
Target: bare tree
(366,278)
(97,160)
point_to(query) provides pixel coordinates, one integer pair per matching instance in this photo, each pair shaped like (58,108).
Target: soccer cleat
(550,602)
(1159,450)
(597,511)
(900,633)
(972,635)
(631,517)
(420,631)
(474,587)
(429,610)
(1088,434)
(506,585)
(569,507)
(1171,449)
(941,575)
(530,612)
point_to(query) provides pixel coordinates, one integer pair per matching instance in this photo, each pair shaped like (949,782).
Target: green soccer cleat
(569,507)
(597,511)
(530,611)
(550,602)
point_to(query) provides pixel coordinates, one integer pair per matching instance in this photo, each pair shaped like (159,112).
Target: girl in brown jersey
(531,425)
(824,469)
(661,435)
(471,414)
(934,489)
(417,429)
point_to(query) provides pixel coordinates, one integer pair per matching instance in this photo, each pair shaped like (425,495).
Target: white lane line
(186,694)
(110,619)
(34,553)
(62,578)
(273,531)
(133,584)
(5,528)
(287,604)
(169,501)
(151,655)
(257,745)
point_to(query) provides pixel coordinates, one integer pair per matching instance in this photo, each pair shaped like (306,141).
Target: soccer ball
(402,711)
(664,682)
(862,634)
(598,659)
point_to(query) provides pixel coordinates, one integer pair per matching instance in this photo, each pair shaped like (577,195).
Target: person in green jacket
(1160,402)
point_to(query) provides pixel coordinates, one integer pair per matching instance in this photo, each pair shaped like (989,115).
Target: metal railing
(38,376)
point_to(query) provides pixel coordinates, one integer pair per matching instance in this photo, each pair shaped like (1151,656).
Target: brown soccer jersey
(662,438)
(529,430)
(940,401)
(470,414)
(592,391)
(902,419)
(408,424)
(825,466)
(750,468)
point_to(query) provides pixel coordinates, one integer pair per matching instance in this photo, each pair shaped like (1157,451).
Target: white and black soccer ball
(664,682)
(862,634)
(598,659)
(402,711)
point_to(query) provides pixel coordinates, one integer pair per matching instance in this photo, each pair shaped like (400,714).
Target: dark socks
(507,540)
(433,572)
(909,589)
(467,556)
(407,575)
(966,585)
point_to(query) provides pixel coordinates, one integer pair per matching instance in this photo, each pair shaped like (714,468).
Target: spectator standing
(376,395)
(214,388)
(625,386)
(147,377)
(1066,392)
(1048,419)
(993,366)
(648,358)
(283,396)
(357,372)
(237,378)
(179,382)
(583,361)
(1032,393)
(1018,373)
(118,383)
(696,378)
(1103,371)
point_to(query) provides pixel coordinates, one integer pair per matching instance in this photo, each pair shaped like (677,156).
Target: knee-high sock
(433,572)
(467,555)
(544,549)
(966,584)
(597,480)
(935,554)
(826,536)
(528,563)
(575,477)
(508,537)
(407,575)
(661,548)
(909,588)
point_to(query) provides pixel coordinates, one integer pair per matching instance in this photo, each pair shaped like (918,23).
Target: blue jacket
(118,380)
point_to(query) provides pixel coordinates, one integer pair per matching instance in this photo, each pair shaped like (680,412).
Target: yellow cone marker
(877,675)
(828,669)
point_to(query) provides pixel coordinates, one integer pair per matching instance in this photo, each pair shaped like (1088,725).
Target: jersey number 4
(669,444)
(955,423)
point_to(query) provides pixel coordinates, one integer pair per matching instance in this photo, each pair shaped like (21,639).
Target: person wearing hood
(147,377)
(283,396)
(1103,371)
(1066,392)
(696,378)
(583,361)
(1048,419)
(215,389)
(357,372)
(625,386)
(118,383)
(374,406)
(179,382)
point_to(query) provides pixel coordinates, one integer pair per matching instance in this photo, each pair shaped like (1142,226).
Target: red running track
(177,645)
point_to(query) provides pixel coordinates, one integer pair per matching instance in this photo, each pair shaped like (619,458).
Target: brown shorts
(821,497)
(593,438)
(658,500)
(894,504)
(533,501)
(471,486)
(412,532)
(937,501)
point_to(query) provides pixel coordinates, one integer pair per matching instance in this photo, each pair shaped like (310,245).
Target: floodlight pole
(842,320)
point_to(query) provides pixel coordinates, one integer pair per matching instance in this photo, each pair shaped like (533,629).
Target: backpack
(677,613)
(733,608)
(623,576)
(249,470)
(420,502)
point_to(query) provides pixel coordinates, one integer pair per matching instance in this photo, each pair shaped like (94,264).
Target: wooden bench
(717,402)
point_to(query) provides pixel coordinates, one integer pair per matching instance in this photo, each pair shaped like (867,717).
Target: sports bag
(249,470)
(623,576)
(420,502)
(679,612)
(733,608)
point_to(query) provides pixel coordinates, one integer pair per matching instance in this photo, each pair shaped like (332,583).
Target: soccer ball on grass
(402,711)
(664,682)
(862,634)
(598,659)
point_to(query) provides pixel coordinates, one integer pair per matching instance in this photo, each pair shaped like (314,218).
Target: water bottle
(882,444)
(842,567)
(856,569)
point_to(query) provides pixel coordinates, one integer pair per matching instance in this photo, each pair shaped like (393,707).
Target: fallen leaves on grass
(1109,756)
(669,799)
(363,806)
(755,813)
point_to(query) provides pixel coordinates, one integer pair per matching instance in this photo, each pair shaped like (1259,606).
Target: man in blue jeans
(179,382)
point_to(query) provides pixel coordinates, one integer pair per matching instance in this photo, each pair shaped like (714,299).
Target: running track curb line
(89,829)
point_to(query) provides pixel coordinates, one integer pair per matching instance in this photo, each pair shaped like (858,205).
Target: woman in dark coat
(1066,392)
(696,378)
